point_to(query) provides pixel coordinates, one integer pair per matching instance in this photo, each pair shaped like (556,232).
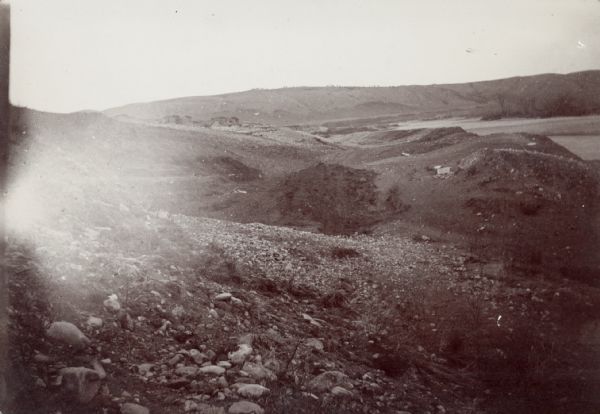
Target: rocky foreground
(205,316)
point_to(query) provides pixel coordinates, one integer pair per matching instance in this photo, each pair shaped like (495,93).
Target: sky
(70,55)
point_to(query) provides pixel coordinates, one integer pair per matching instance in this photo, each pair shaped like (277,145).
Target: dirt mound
(389,136)
(339,199)
(538,206)
(231,168)
(438,138)
(529,168)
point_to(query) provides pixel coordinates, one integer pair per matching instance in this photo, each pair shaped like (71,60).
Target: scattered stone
(224,364)
(131,408)
(202,408)
(329,379)
(144,369)
(246,339)
(187,371)
(315,344)
(257,371)
(94,322)
(178,311)
(39,357)
(67,333)
(236,301)
(224,296)
(197,356)
(213,313)
(175,360)
(112,303)
(273,364)
(163,328)
(222,381)
(211,355)
(190,405)
(213,370)
(275,336)
(311,320)
(340,392)
(39,382)
(239,357)
(83,382)
(252,390)
(245,407)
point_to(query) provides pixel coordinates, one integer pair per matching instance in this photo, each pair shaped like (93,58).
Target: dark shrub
(343,253)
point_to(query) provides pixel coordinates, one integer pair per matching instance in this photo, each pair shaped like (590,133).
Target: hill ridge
(544,95)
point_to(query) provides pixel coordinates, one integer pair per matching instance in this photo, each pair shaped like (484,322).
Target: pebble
(224,296)
(311,320)
(245,407)
(144,369)
(246,339)
(213,370)
(340,392)
(94,322)
(178,311)
(67,333)
(112,303)
(197,356)
(258,371)
(131,408)
(82,382)
(252,390)
(315,344)
(329,379)
(42,358)
(239,357)
(190,405)
(175,360)
(187,371)
(273,364)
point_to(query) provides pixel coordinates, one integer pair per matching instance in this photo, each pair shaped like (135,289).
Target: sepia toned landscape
(258,251)
(427,246)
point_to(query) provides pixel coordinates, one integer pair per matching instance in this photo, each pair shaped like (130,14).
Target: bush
(343,253)
(530,208)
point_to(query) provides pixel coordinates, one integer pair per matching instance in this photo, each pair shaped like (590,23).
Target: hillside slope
(530,96)
(467,288)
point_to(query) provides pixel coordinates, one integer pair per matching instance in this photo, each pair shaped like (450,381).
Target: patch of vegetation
(530,208)
(344,253)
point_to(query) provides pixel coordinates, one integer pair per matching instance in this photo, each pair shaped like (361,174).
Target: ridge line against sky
(70,55)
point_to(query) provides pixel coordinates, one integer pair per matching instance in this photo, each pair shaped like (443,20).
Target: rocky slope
(144,282)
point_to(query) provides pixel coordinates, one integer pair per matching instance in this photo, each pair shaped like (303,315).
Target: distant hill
(544,95)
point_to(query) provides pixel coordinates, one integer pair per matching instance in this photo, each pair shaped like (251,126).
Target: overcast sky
(69,55)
